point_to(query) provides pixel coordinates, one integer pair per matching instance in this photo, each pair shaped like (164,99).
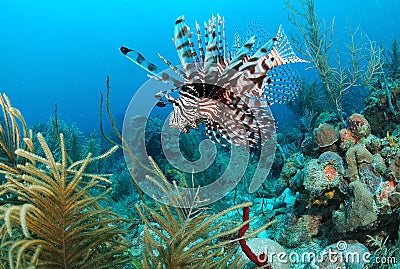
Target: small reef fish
(229,91)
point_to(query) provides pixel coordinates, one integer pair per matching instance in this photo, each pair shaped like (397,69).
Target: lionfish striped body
(228,91)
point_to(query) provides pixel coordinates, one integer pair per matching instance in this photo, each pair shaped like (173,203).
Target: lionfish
(229,91)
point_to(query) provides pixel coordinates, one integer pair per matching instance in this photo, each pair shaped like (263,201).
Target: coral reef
(183,237)
(359,210)
(355,156)
(334,177)
(325,136)
(359,126)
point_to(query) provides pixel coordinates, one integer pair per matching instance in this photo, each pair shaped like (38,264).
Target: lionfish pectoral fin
(215,135)
(151,68)
(138,59)
(282,85)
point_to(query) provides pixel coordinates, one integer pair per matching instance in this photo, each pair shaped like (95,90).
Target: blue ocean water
(61,51)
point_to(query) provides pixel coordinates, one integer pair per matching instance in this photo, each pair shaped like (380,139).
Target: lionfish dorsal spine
(237,59)
(200,42)
(223,39)
(221,42)
(257,57)
(185,47)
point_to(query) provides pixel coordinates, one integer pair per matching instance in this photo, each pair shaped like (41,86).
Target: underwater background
(61,51)
(70,197)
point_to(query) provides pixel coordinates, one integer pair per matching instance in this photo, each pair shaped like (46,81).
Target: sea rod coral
(348,73)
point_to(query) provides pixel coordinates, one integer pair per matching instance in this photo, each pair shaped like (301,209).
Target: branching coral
(308,98)
(59,225)
(392,60)
(187,236)
(361,68)
(384,249)
(122,143)
(13,130)
(48,217)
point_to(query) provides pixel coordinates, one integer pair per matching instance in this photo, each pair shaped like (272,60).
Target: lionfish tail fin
(285,50)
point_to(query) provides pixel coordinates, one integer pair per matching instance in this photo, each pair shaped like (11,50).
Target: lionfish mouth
(230,91)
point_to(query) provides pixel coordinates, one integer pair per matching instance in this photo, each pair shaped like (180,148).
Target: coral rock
(264,245)
(324,174)
(347,139)
(325,135)
(354,156)
(359,126)
(372,143)
(296,231)
(385,190)
(367,175)
(359,210)
(330,172)
(394,197)
(394,169)
(354,251)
